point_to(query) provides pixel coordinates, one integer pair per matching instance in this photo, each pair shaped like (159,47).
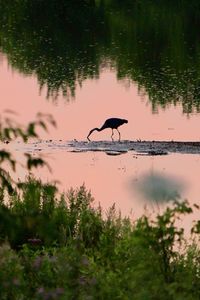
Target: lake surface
(133,61)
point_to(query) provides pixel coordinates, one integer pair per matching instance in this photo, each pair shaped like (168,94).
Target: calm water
(135,61)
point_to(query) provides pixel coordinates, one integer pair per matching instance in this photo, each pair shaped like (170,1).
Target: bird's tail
(91,131)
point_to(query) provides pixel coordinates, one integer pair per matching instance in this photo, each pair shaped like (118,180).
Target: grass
(60,247)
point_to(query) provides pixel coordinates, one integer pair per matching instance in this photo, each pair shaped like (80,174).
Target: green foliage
(37,216)
(64,248)
(11,130)
(11,275)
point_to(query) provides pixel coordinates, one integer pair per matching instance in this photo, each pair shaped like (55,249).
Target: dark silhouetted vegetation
(154,43)
(11,130)
(59,42)
(61,247)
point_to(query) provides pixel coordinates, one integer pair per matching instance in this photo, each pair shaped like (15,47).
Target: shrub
(64,248)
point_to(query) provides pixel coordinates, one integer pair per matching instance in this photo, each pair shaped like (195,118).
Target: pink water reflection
(108,177)
(96,101)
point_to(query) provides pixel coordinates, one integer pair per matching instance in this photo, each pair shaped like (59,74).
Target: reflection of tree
(58,43)
(158,50)
(155,43)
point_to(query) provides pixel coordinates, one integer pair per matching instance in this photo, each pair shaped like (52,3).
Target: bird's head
(125,121)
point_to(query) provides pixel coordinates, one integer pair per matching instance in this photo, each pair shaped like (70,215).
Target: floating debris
(157,152)
(115,152)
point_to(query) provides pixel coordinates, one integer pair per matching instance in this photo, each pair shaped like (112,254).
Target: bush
(61,247)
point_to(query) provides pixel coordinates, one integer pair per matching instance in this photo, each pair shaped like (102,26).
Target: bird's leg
(119,135)
(112,135)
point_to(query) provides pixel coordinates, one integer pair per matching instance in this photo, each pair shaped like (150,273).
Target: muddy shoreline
(115,147)
(139,147)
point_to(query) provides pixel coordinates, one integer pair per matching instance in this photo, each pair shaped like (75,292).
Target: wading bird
(112,123)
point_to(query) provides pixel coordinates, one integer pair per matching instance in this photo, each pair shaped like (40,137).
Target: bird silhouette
(112,123)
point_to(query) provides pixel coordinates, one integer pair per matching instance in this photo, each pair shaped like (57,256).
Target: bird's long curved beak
(89,134)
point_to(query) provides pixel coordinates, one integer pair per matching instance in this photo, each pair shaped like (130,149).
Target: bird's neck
(97,129)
